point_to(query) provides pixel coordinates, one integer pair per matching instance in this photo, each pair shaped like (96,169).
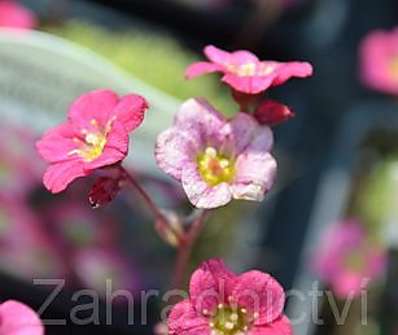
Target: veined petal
(57,143)
(199,193)
(130,111)
(200,115)
(59,175)
(184,320)
(261,295)
(175,148)
(96,105)
(210,284)
(200,68)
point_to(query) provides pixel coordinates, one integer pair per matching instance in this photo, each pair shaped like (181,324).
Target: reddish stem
(161,219)
(185,248)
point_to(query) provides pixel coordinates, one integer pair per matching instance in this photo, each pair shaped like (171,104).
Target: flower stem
(156,211)
(186,246)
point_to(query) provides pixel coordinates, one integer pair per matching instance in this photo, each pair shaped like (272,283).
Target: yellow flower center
(229,321)
(215,168)
(93,143)
(356,260)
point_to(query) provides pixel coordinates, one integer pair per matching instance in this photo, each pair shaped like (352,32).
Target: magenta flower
(245,73)
(19,319)
(379,61)
(217,159)
(221,302)
(95,135)
(347,258)
(14,15)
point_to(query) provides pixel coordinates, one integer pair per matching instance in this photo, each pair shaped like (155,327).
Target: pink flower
(18,319)
(379,61)
(95,135)
(94,266)
(221,302)
(217,159)
(245,73)
(14,15)
(347,258)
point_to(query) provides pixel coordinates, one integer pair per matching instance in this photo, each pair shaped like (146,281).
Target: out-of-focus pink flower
(20,170)
(222,302)
(95,135)
(347,258)
(245,73)
(379,61)
(14,15)
(271,112)
(25,249)
(19,319)
(217,159)
(96,266)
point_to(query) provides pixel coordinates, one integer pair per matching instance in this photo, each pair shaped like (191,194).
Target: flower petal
(248,84)
(59,175)
(242,128)
(184,320)
(255,168)
(130,111)
(18,319)
(210,285)
(217,55)
(175,148)
(57,143)
(285,71)
(281,326)
(200,68)
(199,193)
(260,294)
(242,57)
(200,115)
(96,105)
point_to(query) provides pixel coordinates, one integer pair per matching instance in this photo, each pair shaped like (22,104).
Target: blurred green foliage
(157,59)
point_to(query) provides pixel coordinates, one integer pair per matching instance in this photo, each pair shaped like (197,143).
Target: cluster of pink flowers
(216,159)
(348,259)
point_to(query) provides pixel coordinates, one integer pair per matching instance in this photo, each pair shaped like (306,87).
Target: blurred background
(338,157)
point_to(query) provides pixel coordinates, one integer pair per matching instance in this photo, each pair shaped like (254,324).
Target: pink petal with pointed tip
(200,68)
(210,284)
(217,55)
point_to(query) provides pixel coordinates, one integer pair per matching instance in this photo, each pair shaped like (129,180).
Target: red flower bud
(271,113)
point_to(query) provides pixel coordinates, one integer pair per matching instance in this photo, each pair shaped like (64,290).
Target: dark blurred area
(341,129)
